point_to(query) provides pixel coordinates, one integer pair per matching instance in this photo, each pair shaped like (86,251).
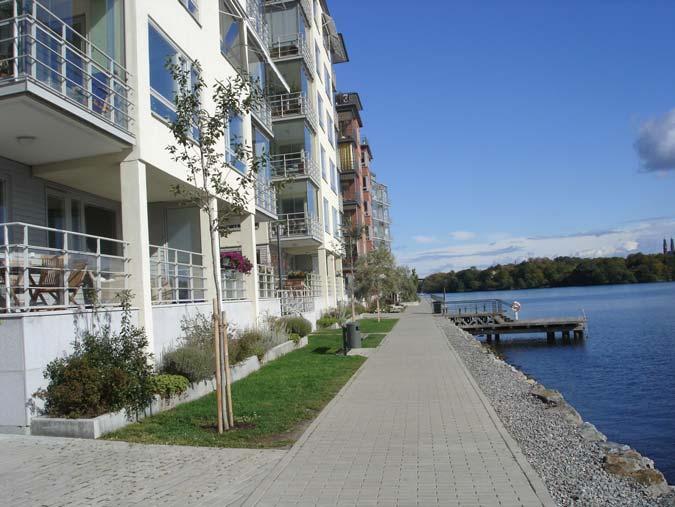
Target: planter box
(107,423)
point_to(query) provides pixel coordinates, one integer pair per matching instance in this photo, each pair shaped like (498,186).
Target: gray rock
(549,396)
(613,447)
(568,413)
(590,433)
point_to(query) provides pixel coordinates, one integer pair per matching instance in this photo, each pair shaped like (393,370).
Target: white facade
(86,206)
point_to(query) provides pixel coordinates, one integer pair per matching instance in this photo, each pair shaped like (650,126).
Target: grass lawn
(373,326)
(372,340)
(272,406)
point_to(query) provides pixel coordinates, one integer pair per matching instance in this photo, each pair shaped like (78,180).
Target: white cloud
(424,239)
(644,235)
(656,143)
(462,235)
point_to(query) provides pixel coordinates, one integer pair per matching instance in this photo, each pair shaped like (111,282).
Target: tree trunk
(379,317)
(216,343)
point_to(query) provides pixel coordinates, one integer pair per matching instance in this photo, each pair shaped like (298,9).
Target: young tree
(376,274)
(352,233)
(199,132)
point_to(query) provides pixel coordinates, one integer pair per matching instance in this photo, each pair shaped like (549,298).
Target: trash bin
(353,335)
(438,307)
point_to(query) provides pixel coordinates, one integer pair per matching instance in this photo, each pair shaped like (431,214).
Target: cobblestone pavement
(412,428)
(37,471)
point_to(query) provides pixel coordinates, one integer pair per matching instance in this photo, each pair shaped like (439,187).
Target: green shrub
(168,386)
(192,362)
(249,343)
(295,338)
(298,325)
(326,321)
(106,372)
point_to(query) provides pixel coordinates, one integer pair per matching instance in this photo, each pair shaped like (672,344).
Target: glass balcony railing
(290,105)
(42,268)
(295,165)
(176,276)
(266,196)
(294,225)
(285,47)
(38,46)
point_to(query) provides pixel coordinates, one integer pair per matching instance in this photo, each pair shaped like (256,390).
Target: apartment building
(365,201)
(86,206)
(305,244)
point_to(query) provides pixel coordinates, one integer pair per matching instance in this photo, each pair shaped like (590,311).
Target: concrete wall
(27,344)
(167,323)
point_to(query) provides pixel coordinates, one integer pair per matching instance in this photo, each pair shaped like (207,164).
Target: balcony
(176,276)
(298,229)
(291,47)
(67,98)
(352,197)
(380,194)
(290,166)
(295,302)
(293,106)
(349,167)
(265,200)
(49,269)
(311,284)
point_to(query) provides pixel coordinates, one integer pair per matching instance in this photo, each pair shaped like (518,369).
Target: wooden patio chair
(50,281)
(79,276)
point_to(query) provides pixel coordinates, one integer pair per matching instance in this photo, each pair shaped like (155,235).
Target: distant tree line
(558,272)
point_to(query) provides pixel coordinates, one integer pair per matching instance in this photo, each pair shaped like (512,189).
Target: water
(622,377)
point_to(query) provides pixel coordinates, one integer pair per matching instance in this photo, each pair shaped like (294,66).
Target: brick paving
(412,428)
(37,471)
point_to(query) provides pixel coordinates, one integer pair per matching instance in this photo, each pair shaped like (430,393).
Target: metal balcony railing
(380,194)
(293,225)
(295,165)
(265,196)
(176,276)
(36,45)
(289,105)
(267,281)
(42,268)
(294,45)
(311,282)
(233,285)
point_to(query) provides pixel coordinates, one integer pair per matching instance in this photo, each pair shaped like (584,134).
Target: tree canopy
(558,272)
(377,274)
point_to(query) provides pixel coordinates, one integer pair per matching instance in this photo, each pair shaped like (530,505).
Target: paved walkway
(412,428)
(44,471)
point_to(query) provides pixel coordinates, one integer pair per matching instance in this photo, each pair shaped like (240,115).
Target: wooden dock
(494,317)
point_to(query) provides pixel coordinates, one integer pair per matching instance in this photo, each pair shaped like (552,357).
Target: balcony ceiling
(56,136)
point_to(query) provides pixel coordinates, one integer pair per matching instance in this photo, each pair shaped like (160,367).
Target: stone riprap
(570,455)
(411,428)
(49,471)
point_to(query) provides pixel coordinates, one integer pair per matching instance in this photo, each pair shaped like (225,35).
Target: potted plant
(235,261)
(296,279)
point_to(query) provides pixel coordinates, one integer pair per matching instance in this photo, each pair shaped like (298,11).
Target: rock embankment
(573,458)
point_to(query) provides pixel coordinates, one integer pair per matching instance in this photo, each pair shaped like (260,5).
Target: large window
(324,165)
(162,86)
(319,102)
(327,82)
(233,140)
(261,149)
(3,202)
(317,58)
(326,216)
(231,38)
(333,176)
(336,223)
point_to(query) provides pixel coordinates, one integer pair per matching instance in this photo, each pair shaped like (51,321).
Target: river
(622,376)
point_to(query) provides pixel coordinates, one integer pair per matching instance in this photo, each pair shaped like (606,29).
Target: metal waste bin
(353,335)
(438,307)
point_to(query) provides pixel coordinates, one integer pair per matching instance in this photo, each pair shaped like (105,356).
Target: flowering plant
(235,261)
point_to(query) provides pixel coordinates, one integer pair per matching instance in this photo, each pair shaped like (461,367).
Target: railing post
(99,281)
(26,270)
(8,289)
(66,268)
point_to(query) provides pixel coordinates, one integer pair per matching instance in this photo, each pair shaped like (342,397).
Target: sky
(513,129)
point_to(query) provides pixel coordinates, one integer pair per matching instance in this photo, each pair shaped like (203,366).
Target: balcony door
(69,213)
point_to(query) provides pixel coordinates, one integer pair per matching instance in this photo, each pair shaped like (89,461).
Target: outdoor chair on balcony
(80,278)
(50,282)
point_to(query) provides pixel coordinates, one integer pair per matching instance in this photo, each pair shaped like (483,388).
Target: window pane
(160,52)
